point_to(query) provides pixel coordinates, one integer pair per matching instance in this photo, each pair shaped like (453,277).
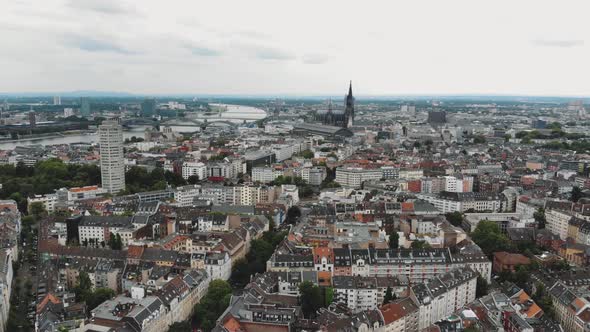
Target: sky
(524,47)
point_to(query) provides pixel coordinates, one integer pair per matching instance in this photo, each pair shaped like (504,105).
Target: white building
(526,207)
(390,172)
(112,166)
(353,177)
(456,185)
(194,168)
(444,295)
(68,111)
(314,175)
(78,193)
(185,195)
(93,231)
(265,174)
(557,222)
(290,190)
(462,202)
(410,174)
(48,202)
(357,293)
(282,151)
(218,265)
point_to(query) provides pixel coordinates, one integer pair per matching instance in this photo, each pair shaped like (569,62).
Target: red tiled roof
(48,298)
(135,252)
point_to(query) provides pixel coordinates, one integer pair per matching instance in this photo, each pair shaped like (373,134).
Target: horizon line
(123,94)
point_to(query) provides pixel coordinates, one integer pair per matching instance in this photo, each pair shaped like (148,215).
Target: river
(67,139)
(233,113)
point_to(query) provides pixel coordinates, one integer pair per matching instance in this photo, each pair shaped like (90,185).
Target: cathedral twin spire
(338,118)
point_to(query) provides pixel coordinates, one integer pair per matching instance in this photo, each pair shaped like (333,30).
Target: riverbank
(47,136)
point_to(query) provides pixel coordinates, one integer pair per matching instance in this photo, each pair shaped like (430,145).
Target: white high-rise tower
(112,167)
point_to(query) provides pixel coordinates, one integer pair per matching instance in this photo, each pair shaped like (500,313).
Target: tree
(241,273)
(119,241)
(310,299)
(193,179)
(521,276)
(539,216)
(329,184)
(481,288)
(94,299)
(479,139)
(212,304)
(293,215)
(307,154)
(543,299)
(180,327)
(420,245)
(455,218)
(305,191)
(37,209)
(488,236)
(389,296)
(393,240)
(255,261)
(115,241)
(554,126)
(84,283)
(328,296)
(576,194)
(174,179)
(112,240)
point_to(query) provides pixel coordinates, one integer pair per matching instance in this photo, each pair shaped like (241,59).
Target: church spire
(349,108)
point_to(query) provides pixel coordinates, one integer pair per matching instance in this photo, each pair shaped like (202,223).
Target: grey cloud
(102,6)
(253,34)
(203,51)
(315,59)
(269,53)
(91,44)
(558,43)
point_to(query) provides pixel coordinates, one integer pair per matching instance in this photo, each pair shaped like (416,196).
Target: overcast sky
(296,47)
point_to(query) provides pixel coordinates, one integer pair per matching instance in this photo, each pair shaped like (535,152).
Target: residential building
(353,177)
(197,169)
(112,167)
(443,295)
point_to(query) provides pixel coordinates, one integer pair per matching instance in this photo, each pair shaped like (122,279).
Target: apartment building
(447,202)
(353,177)
(357,293)
(443,295)
(557,222)
(95,231)
(191,168)
(48,201)
(266,174)
(417,265)
(112,166)
(313,175)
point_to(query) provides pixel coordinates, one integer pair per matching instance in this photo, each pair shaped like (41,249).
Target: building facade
(112,166)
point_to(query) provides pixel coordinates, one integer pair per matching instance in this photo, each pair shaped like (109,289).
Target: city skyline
(428,48)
